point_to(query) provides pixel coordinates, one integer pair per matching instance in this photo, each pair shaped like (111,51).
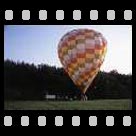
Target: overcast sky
(38,44)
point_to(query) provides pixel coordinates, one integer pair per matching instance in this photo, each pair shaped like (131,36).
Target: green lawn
(69,105)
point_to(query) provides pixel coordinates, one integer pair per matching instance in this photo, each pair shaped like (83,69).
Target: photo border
(67,114)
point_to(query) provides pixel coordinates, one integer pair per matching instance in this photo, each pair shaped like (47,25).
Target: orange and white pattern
(81,53)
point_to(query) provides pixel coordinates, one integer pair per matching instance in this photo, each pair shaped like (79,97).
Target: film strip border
(45,16)
(94,121)
(60,15)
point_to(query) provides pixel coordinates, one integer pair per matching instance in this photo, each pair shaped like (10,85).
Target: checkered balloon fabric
(81,53)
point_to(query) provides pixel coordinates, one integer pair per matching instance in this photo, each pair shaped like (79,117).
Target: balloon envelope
(81,53)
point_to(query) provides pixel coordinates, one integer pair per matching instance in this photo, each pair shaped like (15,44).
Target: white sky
(38,44)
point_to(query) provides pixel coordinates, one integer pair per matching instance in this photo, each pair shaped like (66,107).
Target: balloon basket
(83,97)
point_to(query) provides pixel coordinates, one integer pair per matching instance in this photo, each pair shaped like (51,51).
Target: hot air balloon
(82,52)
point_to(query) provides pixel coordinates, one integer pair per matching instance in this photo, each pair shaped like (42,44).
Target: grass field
(69,105)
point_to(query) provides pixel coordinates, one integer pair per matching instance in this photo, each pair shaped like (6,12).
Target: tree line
(23,81)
